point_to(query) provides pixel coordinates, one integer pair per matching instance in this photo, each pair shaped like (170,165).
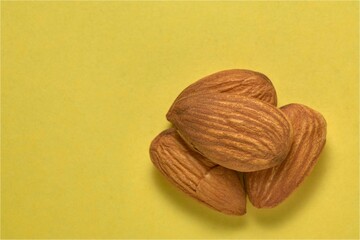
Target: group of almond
(230,140)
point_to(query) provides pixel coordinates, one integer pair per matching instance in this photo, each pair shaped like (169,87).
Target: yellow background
(86,86)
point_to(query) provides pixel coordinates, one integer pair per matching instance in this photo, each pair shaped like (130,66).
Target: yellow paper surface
(86,86)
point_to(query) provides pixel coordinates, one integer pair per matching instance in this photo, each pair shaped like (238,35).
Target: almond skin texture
(239,81)
(236,132)
(217,187)
(270,187)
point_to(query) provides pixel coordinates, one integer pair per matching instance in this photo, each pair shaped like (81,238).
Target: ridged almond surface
(217,187)
(222,187)
(240,133)
(268,188)
(239,81)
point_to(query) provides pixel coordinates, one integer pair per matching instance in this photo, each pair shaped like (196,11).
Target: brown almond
(240,133)
(223,189)
(270,187)
(238,81)
(213,185)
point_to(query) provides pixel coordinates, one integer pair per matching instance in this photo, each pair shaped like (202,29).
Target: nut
(235,81)
(270,187)
(229,121)
(237,132)
(217,187)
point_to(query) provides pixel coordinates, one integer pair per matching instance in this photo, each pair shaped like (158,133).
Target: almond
(270,187)
(237,132)
(211,184)
(239,81)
